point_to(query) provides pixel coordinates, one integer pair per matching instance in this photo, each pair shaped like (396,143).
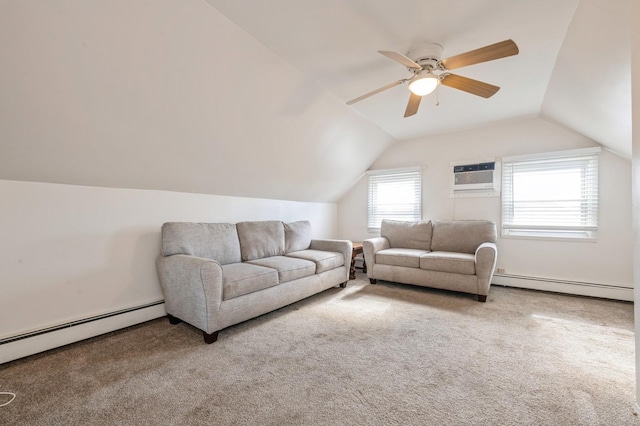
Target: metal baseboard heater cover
(77,322)
(581,288)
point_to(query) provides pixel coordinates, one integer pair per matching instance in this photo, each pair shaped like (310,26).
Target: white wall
(607,262)
(72,252)
(634,16)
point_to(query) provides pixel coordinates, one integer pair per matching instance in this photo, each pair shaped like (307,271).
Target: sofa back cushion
(218,241)
(462,236)
(297,236)
(261,239)
(413,235)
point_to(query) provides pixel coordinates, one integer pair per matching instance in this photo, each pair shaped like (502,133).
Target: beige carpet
(381,354)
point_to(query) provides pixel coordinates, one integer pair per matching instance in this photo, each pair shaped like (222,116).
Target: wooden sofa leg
(210,338)
(343,285)
(373,280)
(173,320)
(482,298)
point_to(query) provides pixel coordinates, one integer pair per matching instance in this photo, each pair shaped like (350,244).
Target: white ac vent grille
(467,178)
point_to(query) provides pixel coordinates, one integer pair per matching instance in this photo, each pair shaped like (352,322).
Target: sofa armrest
(192,289)
(340,246)
(486,258)
(370,247)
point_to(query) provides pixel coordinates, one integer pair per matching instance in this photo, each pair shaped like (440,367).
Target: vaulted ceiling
(573,66)
(248,98)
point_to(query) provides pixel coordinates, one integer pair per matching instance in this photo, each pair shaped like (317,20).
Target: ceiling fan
(423,62)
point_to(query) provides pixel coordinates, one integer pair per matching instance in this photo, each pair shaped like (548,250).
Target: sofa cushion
(462,236)
(444,261)
(239,279)
(218,241)
(324,260)
(289,268)
(297,236)
(261,239)
(413,235)
(400,257)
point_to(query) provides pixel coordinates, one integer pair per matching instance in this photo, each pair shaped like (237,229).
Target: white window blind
(393,194)
(555,195)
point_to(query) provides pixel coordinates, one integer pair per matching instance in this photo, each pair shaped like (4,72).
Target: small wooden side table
(357,249)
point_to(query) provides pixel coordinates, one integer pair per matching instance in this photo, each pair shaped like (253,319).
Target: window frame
(587,230)
(376,177)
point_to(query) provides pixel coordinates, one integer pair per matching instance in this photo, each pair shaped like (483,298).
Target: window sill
(542,237)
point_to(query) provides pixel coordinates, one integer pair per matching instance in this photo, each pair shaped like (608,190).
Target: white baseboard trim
(42,340)
(564,286)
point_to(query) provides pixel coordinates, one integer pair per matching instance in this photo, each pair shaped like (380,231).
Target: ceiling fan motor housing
(427,56)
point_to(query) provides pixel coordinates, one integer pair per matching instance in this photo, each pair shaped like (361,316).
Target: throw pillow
(261,239)
(297,236)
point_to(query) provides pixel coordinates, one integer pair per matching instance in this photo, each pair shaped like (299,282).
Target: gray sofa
(452,255)
(215,275)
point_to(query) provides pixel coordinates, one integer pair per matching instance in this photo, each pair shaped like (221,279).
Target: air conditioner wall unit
(475,178)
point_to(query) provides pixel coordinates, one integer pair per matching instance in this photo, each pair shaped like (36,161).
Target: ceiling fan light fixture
(424,83)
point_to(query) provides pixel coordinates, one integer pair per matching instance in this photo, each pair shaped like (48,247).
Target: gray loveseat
(215,275)
(452,255)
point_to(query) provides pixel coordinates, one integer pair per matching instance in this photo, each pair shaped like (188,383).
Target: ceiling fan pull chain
(438,95)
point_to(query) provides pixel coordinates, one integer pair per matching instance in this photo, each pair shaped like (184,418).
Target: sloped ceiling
(590,87)
(160,94)
(568,49)
(248,98)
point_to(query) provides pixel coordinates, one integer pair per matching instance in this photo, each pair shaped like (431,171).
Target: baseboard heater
(29,343)
(581,288)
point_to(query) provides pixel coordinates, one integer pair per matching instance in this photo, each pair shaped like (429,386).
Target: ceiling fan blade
(383,88)
(469,85)
(400,58)
(484,54)
(412,106)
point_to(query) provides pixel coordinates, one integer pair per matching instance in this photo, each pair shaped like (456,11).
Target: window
(551,195)
(393,194)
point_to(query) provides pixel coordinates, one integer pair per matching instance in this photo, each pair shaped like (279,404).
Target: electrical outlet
(500,270)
